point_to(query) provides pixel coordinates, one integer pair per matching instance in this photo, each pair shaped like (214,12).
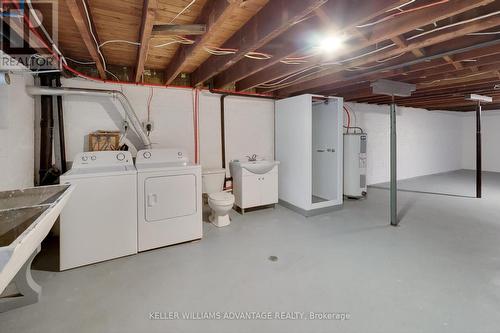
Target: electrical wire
(176,39)
(454,25)
(219,51)
(354,114)
(454,78)
(258,56)
(484,33)
(361,55)
(93,35)
(149,104)
(47,35)
(391,58)
(112,74)
(293,62)
(401,12)
(384,48)
(81,62)
(277,83)
(119,41)
(94,79)
(283,85)
(400,6)
(348,118)
(298,60)
(182,11)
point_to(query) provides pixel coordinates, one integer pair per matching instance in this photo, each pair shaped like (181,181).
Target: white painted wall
(16,134)
(428,141)
(490,140)
(249,121)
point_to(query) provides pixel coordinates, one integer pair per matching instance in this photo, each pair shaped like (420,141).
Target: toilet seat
(221,198)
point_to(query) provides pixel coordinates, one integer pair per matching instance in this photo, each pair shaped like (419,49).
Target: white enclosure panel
(170,197)
(293,149)
(16,134)
(325,149)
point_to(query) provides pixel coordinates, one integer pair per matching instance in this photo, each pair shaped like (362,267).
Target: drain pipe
(127,107)
(46,128)
(60,118)
(223,130)
(223,95)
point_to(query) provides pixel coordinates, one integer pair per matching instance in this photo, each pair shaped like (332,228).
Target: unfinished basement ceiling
(448,48)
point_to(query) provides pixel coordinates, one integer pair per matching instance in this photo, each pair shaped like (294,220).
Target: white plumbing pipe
(127,107)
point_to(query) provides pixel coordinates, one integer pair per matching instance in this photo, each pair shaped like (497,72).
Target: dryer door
(168,197)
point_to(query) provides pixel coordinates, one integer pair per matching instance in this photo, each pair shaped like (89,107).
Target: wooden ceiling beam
(402,43)
(179,29)
(470,84)
(456,64)
(407,71)
(384,31)
(364,93)
(338,16)
(213,14)
(483,56)
(78,13)
(486,107)
(148,17)
(271,21)
(321,78)
(442,96)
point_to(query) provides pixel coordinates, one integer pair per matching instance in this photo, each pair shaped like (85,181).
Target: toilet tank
(213,180)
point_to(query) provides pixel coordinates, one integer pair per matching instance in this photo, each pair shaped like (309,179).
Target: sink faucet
(252,158)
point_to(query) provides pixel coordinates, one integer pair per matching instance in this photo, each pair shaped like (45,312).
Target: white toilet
(220,202)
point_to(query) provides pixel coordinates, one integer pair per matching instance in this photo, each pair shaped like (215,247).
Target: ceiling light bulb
(331,44)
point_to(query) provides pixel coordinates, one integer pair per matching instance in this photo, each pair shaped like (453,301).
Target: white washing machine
(100,220)
(169,203)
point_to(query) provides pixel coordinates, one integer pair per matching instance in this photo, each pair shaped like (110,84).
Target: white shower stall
(309,145)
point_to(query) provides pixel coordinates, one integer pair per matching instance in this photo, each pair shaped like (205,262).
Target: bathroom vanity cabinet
(254,190)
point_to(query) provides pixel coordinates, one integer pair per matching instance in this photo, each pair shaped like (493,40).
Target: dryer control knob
(120,156)
(84,158)
(93,157)
(147,154)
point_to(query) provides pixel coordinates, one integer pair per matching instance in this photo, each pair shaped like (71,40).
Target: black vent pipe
(60,118)
(46,130)
(223,130)
(223,96)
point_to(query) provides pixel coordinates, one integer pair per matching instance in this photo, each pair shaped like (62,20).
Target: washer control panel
(102,158)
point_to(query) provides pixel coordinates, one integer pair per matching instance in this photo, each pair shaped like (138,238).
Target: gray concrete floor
(438,272)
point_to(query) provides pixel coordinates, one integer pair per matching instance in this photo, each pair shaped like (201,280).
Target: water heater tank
(355,164)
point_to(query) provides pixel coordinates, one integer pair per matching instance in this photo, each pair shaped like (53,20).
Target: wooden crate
(104,140)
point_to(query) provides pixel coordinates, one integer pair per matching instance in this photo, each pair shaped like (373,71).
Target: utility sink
(26,217)
(257,167)
(34,196)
